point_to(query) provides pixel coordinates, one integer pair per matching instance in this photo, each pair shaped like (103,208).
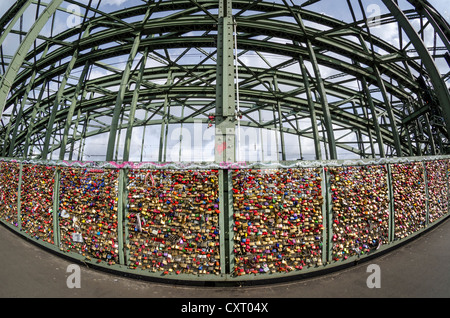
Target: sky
(327,7)
(323,6)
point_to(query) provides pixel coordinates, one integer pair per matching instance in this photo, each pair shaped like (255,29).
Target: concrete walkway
(420,268)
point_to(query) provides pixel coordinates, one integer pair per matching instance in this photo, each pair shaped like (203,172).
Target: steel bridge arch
(382,123)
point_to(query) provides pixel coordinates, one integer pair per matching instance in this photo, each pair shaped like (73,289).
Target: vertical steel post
(299,138)
(226,221)
(8,126)
(382,87)
(225,147)
(55,208)
(369,131)
(376,125)
(18,58)
(391,203)
(225,89)
(126,150)
(181,135)
(58,98)
(390,112)
(19,198)
(72,144)
(427,193)
(165,124)
(441,90)
(280,122)
(71,111)
(143,136)
(120,97)
(261,135)
(121,215)
(119,134)
(312,110)
(19,116)
(36,108)
(327,217)
(125,205)
(83,136)
(319,85)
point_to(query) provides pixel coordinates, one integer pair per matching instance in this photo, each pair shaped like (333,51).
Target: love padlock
(409,198)
(88,206)
(176,215)
(274,212)
(360,209)
(10,176)
(37,200)
(436,172)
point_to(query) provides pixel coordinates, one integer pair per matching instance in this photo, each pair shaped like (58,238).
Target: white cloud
(442,7)
(5,5)
(113,2)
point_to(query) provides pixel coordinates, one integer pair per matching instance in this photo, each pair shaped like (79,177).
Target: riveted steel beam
(71,110)
(16,63)
(16,11)
(224,149)
(441,89)
(119,99)
(195,87)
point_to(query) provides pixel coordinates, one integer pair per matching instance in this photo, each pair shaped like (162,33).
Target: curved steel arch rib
(290,103)
(326,83)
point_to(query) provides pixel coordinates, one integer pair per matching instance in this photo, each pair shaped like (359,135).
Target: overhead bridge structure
(224,86)
(322,86)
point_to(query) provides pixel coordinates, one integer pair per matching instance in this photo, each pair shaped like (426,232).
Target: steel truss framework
(323,87)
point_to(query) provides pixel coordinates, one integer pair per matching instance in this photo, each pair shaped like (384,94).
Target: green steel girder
(159,122)
(440,25)
(120,95)
(108,100)
(12,12)
(185,5)
(192,23)
(285,77)
(345,47)
(14,67)
(11,17)
(441,89)
(71,110)
(199,81)
(340,116)
(272,47)
(225,125)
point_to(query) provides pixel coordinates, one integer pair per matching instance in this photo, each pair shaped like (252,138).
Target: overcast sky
(440,5)
(327,7)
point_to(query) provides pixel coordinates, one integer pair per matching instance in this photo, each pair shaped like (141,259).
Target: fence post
(120,216)
(19,199)
(226,221)
(391,203)
(427,193)
(448,184)
(56,189)
(327,217)
(125,205)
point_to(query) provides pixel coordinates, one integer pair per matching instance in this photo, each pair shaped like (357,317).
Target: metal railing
(223,222)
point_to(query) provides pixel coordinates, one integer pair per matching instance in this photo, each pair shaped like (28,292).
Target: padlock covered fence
(223,222)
